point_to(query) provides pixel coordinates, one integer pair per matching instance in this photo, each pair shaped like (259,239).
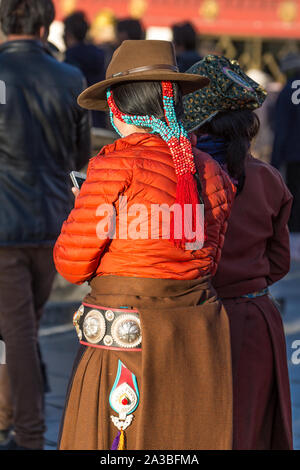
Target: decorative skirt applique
(123,399)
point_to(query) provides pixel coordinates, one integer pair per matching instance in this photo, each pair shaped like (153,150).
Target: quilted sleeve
(84,235)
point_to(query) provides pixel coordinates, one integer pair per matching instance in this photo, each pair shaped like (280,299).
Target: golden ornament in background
(103,26)
(137,8)
(209,9)
(68,6)
(287,11)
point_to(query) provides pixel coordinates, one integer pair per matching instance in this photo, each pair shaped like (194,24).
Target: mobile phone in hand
(77,179)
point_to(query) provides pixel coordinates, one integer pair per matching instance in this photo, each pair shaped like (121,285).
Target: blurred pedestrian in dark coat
(255,253)
(90,59)
(185,41)
(44,135)
(263,143)
(286,150)
(129,28)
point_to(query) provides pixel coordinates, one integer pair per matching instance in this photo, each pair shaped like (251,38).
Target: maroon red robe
(255,255)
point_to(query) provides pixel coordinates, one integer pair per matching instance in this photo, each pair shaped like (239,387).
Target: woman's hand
(76,192)
(193,139)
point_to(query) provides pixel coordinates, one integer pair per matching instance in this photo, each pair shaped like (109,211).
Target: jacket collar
(132,140)
(22,45)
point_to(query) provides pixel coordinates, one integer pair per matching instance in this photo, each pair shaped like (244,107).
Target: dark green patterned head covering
(229,89)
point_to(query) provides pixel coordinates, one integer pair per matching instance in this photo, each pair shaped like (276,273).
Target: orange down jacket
(140,168)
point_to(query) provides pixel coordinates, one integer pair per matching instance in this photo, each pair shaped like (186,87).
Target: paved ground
(289,290)
(59,352)
(59,349)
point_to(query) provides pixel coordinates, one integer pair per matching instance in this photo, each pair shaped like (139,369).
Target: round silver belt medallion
(94,326)
(109,315)
(108,341)
(126,331)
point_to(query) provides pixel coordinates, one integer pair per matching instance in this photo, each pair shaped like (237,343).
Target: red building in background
(260,18)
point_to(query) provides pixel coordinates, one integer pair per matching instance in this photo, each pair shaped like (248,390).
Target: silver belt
(109,328)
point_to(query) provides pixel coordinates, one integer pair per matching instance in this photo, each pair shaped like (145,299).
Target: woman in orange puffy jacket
(154,367)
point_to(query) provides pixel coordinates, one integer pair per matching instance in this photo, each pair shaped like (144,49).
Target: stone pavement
(289,290)
(58,351)
(59,345)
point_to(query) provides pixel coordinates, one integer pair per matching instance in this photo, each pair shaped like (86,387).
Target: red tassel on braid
(183,229)
(184,226)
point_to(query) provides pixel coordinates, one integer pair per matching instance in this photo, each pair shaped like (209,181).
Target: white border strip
(53,330)
(292,328)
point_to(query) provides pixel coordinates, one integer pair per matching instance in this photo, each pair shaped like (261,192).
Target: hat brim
(94,97)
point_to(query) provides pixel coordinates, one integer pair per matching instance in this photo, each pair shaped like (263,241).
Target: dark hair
(184,35)
(237,128)
(145,98)
(133,28)
(26,16)
(77,25)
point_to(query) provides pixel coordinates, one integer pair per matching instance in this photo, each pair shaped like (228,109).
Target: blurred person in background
(103,32)
(89,58)
(255,255)
(129,28)
(124,29)
(2,37)
(263,143)
(185,41)
(286,150)
(44,135)
(6,411)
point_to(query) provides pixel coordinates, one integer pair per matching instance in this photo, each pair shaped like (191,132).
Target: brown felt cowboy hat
(138,61)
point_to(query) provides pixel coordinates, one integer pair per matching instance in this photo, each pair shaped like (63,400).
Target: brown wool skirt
(183,371)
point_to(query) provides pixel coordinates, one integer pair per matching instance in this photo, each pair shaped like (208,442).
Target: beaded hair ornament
(176,137)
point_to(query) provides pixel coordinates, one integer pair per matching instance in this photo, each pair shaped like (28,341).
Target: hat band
(146,68)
